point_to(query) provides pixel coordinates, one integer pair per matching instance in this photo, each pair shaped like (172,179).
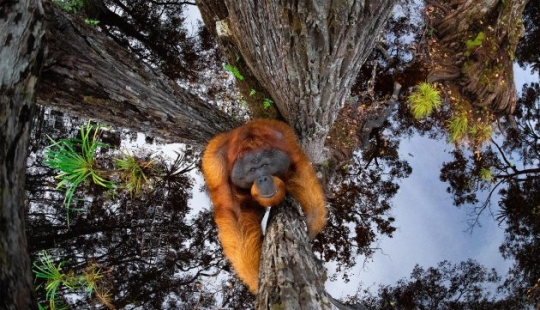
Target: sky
(430,228)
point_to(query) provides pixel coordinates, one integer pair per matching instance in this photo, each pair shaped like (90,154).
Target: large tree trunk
(305,54)
(21,54)
(290,276)
(89,75)
(475,48)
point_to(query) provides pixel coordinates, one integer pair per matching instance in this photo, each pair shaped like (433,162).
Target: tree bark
(476,47)
(305,54)
(89,75)
(290,275)
(21,55)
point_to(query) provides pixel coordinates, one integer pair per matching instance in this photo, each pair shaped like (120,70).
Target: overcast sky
(429,228)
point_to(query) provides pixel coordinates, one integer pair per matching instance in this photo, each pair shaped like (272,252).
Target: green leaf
(267,103)
(234,70)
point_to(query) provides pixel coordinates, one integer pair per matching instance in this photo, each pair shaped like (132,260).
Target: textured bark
(21,54)
(483,74)
(305,54)
(89,75)
(290,276)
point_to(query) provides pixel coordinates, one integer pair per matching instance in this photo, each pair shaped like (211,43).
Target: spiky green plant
(486,174)
(457,127)
(75,160)
(267,103)
(482,132)
(424,99)
(132,172)
(44,268)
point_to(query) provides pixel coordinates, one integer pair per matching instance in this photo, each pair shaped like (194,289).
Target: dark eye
(265,165)
(252,170)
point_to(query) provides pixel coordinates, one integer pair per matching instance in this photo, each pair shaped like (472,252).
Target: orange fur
(238,215)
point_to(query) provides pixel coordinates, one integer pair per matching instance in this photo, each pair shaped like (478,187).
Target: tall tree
(305,55)
(474,49)
(89,75)
(447,286)
(20,61)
